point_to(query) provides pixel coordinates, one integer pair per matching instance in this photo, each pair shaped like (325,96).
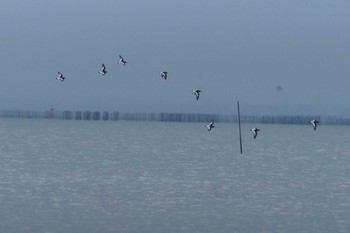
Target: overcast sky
(274,56)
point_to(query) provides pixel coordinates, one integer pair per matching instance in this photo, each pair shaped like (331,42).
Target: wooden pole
(239,127)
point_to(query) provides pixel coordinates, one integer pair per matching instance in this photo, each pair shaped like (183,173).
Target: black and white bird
(121,60)
(103,70)
(60,77)
(255,132)
(210,125)
(196,93)
(314,123)
(164,74)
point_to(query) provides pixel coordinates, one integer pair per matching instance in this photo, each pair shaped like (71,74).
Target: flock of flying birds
(196,92)
(255,130)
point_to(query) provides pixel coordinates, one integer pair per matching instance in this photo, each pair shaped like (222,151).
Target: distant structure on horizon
(51,113)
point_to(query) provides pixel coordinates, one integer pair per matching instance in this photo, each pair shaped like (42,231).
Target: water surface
(86,176)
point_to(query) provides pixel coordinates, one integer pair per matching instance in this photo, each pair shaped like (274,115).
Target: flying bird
(164,74)
(314,123)
(255,132)
(103,70)
(121,60)
(210,125)
(196,93)
(60,77)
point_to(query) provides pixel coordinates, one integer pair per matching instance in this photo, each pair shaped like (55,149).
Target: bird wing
(313,124)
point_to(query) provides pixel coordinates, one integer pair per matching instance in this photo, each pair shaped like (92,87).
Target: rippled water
(86,176)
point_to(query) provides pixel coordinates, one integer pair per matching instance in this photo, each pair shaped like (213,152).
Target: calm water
(70,176)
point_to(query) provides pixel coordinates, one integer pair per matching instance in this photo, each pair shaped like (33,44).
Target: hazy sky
(274,56)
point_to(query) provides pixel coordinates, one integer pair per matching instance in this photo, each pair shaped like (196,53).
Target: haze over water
(86,176)
(276,57)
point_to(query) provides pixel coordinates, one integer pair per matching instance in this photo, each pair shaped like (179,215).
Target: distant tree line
(171,117)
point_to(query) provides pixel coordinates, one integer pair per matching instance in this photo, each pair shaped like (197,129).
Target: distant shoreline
(171,117)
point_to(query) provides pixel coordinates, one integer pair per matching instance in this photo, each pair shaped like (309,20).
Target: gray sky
(231,49)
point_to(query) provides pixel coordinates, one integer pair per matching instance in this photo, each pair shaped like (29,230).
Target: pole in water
(239,127)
